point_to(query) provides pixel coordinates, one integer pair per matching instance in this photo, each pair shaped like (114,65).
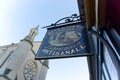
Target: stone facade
(17,61)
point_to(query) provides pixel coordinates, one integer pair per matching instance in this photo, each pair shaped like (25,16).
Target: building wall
(28,69)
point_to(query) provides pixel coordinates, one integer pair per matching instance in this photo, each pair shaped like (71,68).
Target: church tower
(32,34)
(17,61)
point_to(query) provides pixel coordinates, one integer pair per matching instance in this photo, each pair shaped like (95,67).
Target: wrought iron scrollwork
(71,19)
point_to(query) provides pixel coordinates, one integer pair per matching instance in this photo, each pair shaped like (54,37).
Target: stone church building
(17,61)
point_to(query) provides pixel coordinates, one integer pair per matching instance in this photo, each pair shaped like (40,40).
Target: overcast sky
(17,17)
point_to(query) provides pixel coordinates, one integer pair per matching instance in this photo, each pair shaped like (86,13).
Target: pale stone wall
(14,58)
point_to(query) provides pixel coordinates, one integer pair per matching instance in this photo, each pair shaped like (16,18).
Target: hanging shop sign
(65,41)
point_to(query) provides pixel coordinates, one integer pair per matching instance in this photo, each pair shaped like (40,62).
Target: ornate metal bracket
(67,20)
